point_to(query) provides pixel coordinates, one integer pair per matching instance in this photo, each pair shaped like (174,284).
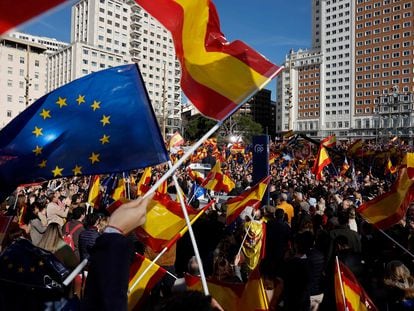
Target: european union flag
(101,123)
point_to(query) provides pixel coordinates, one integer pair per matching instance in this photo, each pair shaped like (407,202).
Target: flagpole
(75,272)
(341,284)
(245,236)
(396,243)
(391,238)
(190,231)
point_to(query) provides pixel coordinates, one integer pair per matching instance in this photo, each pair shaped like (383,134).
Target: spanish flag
(163,187)
(329,141)
(176,140)
(164,220)
(356,148)
(217,75)
(344,168)
(235,296)
(389,208)
(195,176)
(120,190)
(94,192)
(322,160)
(349,293)
(144,182)
(217,181)
(140,286)
(390,168)
(251,197)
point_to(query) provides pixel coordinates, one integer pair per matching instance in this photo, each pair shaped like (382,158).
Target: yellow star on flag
(77,170)
(61,102)
(105,120)
(80,99)
(96,105)
(43,164)
(38,150)
(104,140)
(37,131)
(94,157)
(45,114)
(57,171)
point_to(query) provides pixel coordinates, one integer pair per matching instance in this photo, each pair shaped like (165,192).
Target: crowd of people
(309,223)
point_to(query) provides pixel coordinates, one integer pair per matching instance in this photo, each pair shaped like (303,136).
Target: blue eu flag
(101,123)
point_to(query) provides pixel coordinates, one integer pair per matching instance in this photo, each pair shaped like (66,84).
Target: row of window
(339,124)
(22,60)
(378,4)
(308,114)
(384,56)
(386,19)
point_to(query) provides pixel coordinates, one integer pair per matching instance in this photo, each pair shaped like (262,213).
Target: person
(287,207)
(399,286)
(87,237)
(75,227)
(108,274)
(52,241)
(56,211)
(38,222)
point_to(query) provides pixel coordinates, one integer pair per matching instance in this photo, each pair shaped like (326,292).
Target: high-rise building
(153,49)
(363,51)
(107,33)
(22,75)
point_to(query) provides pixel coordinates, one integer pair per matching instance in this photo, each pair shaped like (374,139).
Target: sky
(271,27)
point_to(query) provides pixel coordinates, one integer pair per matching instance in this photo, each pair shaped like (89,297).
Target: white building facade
(23,76)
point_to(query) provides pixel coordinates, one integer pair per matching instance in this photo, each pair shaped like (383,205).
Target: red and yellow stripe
(216,75)
(138,293)
(389,208)
(252,197)
(164,220)
(217,181)
(348,291)
(235,296)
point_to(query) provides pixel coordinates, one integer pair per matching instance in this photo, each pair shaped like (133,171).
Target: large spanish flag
(195,176)
(217,75)
(235,296)
(322,160)
(349,293)
(164,220)
(217,181)
(251,197)
(138,292)
(389,208)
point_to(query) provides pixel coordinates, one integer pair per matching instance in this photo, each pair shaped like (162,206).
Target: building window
(10,57)
(9,83)
(21,60)
(9,98)
(9,113)
(37,63)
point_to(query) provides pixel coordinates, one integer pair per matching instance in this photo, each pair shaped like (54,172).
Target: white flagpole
(152,263)
(190,231)
(340,282)
(245,236)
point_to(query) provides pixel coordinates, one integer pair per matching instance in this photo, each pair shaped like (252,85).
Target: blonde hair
(51,238)
(397,275)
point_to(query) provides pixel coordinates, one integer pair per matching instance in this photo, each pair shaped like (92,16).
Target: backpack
(68,236)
